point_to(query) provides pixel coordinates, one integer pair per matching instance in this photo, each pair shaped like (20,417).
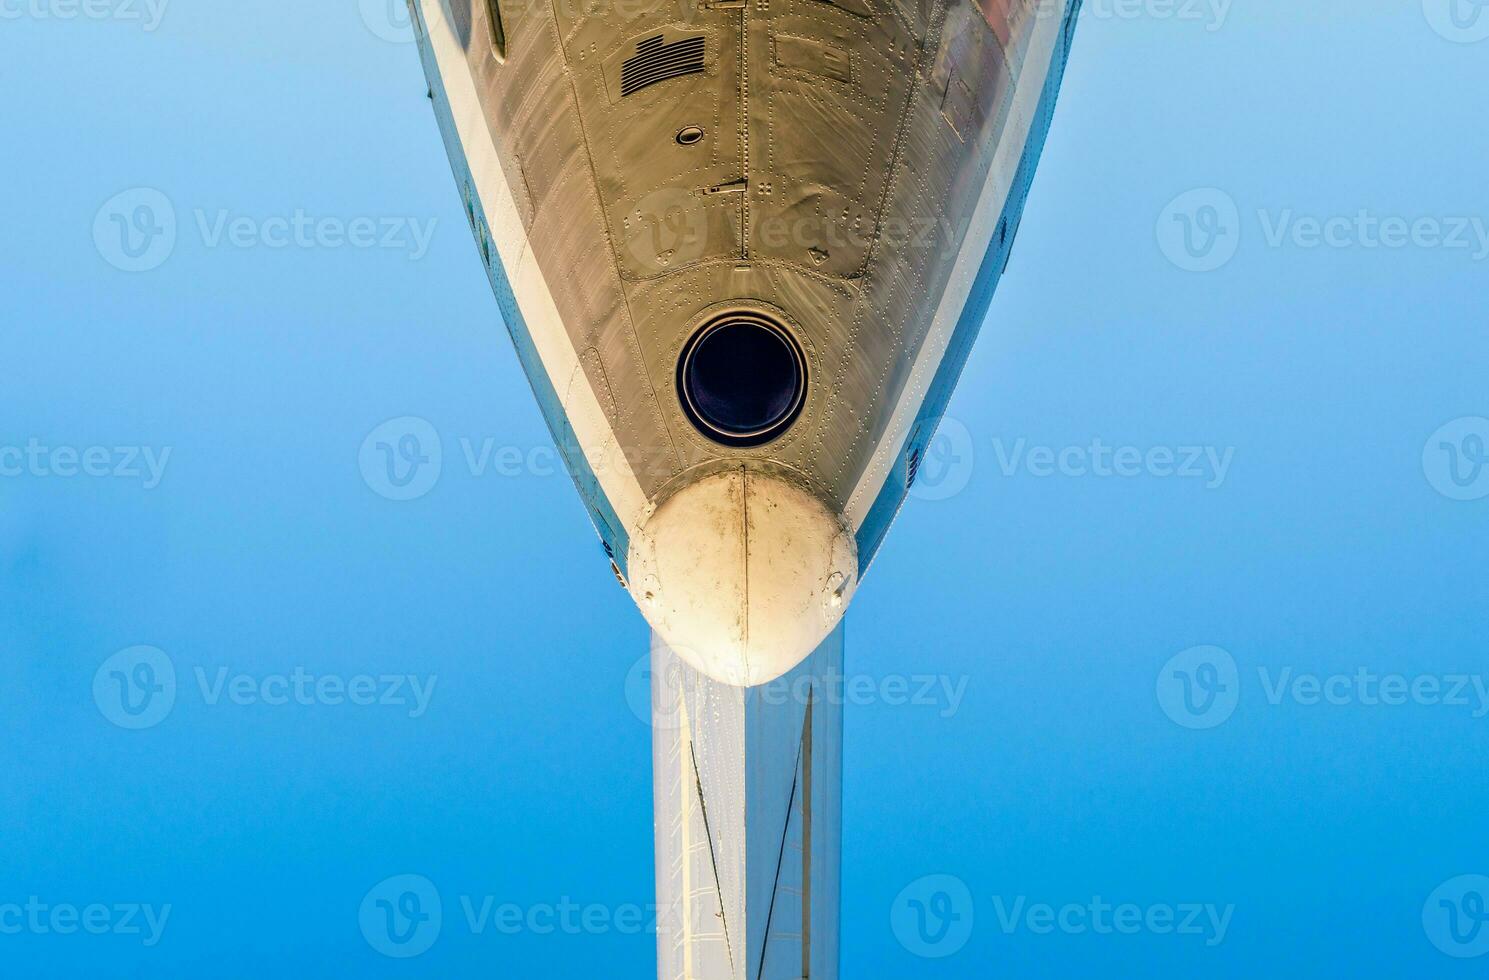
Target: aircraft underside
(743,248)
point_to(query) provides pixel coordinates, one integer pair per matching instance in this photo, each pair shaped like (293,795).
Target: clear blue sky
(234,523)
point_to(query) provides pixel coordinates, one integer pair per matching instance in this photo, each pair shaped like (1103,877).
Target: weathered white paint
(743,574)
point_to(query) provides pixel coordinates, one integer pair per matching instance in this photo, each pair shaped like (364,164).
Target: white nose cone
(743,574)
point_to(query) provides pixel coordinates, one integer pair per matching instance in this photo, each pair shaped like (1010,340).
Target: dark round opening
(689,135)
(743,379)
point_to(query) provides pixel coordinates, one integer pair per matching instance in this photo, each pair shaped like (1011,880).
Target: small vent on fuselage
(658,60)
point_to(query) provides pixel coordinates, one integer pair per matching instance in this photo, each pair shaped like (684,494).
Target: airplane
(743,249)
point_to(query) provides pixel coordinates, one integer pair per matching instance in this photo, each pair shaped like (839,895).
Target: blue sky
(1196,580)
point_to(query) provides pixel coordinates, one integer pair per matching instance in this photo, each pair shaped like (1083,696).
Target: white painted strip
(544,323)
(1029,87)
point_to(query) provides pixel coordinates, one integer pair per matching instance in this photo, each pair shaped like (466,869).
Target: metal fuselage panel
(860,174)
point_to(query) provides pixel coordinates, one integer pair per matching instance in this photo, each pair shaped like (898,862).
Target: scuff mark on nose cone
(746,573)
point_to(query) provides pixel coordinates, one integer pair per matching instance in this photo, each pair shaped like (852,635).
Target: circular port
(742,379)
(689,135)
